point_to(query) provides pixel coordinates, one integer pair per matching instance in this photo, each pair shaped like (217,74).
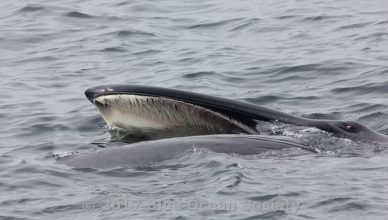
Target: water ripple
(31,8)
(77,14)
(207,25)
(316,59)
(134,33)
(199,75)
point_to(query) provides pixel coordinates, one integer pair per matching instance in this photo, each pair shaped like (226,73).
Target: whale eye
(350,127)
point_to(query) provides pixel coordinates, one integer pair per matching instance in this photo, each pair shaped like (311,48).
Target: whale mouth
(145,111)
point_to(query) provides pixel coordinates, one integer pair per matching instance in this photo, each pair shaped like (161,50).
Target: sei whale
(152,107)
(219,124)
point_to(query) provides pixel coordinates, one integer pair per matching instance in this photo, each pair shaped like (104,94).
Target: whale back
(146,153)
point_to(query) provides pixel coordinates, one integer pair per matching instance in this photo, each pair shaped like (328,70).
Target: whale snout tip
(92,93)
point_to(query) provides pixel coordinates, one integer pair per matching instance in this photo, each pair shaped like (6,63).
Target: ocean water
(316,59)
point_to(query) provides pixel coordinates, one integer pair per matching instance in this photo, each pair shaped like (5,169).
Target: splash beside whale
(160,109)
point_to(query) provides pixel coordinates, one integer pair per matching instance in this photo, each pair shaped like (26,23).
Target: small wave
(383,117)
(283,17)
(367,107)
(316,18)
(330,201)
(31,8)
(323,17)
(38,59)
(189,60)
(246,24)
(58,209)
(148,8)
(382,22)
(278,214)
(213,24)
(376,88)
(300,68)
(44,128)
(199,74)
(264,99)
(377,35)
(233,79)
(76,14)
(236,180)
(146,52)
(288,77)
(114,49)
(270,197)
(357,206)
(354,26)
(264,197)
(88,123)
(375,120)
(134,33)
(274,98)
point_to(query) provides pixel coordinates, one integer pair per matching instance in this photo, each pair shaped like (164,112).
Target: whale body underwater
(197,121)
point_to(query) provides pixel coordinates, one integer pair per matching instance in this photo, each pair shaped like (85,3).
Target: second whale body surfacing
(146,153)
(145,107)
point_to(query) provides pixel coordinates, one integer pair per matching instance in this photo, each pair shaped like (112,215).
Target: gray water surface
(317,59)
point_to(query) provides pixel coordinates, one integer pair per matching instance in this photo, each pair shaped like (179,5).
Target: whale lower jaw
(147,112)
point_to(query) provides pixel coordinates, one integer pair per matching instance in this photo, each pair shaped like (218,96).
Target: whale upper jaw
(94,92)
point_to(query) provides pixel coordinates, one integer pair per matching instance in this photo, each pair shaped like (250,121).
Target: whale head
(188,113)
(350,129)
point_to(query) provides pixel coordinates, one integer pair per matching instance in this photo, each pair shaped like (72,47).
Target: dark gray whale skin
(244,112)
(148,152)
(143,154)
